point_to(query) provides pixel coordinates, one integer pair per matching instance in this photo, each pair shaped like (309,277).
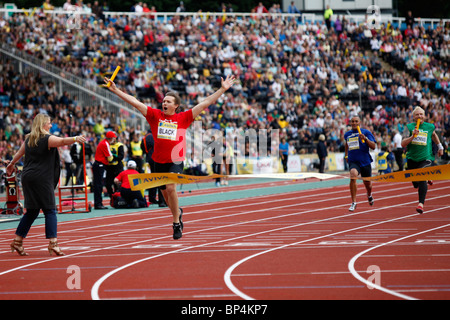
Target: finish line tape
(441,172)
(151,180)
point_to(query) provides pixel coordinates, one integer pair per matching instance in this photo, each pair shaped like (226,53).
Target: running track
(301,244)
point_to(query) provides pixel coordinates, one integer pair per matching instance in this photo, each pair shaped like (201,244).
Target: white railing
(166,16)
(65,81)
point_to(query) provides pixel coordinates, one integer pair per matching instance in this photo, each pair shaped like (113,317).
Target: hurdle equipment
(72,198)
(13,205)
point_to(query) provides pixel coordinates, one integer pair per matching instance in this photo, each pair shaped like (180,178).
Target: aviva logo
(136,181)
(424,173)
(441,172)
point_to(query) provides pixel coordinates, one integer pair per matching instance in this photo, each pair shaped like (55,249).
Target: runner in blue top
(358,158)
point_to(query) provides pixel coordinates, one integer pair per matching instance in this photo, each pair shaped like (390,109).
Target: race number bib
(353,143)
(167,130)
(421,139)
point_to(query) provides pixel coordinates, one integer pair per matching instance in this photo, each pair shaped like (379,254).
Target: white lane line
(147,240)
(95,288)
(351,263)
(227,275)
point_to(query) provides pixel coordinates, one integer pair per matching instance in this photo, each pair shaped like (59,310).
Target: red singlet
(169,133)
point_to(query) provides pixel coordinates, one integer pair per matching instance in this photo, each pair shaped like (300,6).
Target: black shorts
(421,164)
(168,167)
(417,165)
(363,171)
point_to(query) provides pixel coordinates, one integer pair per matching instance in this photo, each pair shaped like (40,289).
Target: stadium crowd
(304,79)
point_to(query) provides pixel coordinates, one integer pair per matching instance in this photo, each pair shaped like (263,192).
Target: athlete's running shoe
(352,207)
(370,198)
(419,209)
(178,227)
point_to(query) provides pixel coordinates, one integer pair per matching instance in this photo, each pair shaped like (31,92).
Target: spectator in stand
(260,8)
(152,12)
(97,10)
(47,5)
(328,13)
(409,19)
(292,8)
(181,7)
(138,8)
(67,5)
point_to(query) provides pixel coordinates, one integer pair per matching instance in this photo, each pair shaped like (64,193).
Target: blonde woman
(40,176)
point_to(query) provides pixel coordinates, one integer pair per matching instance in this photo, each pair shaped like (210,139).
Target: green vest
(421,148)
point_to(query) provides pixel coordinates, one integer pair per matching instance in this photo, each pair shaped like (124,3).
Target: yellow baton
(359,130)
(113,76)
(417,126)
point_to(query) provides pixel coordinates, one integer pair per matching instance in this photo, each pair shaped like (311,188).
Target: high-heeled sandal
(54,248)
(17,245)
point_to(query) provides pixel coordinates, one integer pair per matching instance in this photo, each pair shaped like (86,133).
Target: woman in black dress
(40,177)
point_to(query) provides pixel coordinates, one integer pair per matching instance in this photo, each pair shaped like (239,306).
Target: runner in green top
(419,152)
(420,148)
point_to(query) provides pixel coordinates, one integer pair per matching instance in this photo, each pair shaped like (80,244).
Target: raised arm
(226,84)
(126,97)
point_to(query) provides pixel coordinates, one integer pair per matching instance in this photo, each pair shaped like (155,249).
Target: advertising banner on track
(150,180)
(441,172)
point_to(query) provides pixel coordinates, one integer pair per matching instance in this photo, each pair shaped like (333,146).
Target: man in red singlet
(169,128)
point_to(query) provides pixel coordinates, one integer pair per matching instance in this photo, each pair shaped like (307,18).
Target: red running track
(297,245)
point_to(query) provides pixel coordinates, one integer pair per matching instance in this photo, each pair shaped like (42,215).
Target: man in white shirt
(68,6)
(276,88)
(398,150)
(139,8)
(401,90)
